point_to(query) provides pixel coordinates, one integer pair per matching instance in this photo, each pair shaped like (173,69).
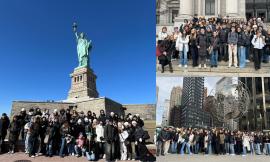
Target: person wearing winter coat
(258,43)
(110,133)
(64,132)
(202,48)
(50,138)
(193,47)
(4,127)
(140,136)
(232,43)
(246,140)
(14,131)
(182,46)
(241,48)
(123,135)
(100,139)
(164,54)
(223,37)
(232,143)
(214,47)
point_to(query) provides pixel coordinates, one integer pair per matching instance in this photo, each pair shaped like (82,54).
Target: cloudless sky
(38,48)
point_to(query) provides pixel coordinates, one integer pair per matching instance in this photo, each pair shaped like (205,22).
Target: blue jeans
(183,146)
(49,150)
(70,147)
(267,148)
(258,149)
(209,148)
(265,56)
(183,57)
(231,148)
(90,156)
(63,144)
(197,146)
(242,56)
(214,58)
(252,148)
(227,147)
(173,146)
(244,150)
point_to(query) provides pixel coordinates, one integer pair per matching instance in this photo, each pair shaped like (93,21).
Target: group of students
(215,39)
(211,141)
(68,132)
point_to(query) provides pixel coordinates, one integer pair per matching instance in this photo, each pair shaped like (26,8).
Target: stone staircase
(221,70)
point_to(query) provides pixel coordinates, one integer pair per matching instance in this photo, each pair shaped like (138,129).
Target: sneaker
(236,66)
(247,61)
(32,156)
(232,154)
(229,66)
(243,155)
(12,152)
(180,65)
(185,66)
(204,66)
(200,66)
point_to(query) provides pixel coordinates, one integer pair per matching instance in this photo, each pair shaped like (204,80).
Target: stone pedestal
(83,84)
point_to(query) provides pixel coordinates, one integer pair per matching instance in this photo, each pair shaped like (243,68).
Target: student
(223,37)
(202,47)
(182,46)
(14,130)
(162,34)
(193,47)
(241,49)
(80,147)
(258,43)
(232,43)
(214,46)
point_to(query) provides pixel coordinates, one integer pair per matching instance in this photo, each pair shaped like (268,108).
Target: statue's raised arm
(83,47)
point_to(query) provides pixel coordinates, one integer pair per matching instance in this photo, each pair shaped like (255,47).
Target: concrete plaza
(213,158)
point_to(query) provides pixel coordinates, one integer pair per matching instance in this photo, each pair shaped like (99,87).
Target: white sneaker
(185,66)
(12,152)
(32,156)
(247,61)
(204,66)
(180,65)
(200,66)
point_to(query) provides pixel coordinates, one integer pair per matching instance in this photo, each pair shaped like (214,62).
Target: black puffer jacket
(241,39)
(223,35)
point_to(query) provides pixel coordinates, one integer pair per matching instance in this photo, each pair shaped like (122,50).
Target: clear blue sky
(38,48)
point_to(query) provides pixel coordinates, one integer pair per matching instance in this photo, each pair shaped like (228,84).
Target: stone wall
(146,111)
(18,105)
(97,104)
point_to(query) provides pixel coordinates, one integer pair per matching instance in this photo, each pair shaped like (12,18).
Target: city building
(166,114)
(175,102)
(192,113)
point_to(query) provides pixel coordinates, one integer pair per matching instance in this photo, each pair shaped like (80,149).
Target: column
(186,11)
(232,8)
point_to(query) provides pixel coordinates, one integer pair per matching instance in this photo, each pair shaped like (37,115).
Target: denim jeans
(90,156)
(242,56)
(183,57)
(247,53)
(267,148)
(195,56)
(214,57)
(227,148)
(244,150)
(49,150)
(79,150)
(110,151)
(183,146)
(26,143)
(252,147)
(62,146)
(197,147)
(209,148)
(173,146)
(160,145)
(258,148)
(70,148)
(232,148)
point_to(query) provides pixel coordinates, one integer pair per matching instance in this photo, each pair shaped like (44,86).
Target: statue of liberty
(83,48)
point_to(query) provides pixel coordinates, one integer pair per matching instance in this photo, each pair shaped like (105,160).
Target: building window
(209,7)
(174,14)
(157,19)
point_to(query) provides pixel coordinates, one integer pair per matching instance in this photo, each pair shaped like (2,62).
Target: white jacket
(180,43)
(259,43)
(162,36)
(123,136)
(99,132)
